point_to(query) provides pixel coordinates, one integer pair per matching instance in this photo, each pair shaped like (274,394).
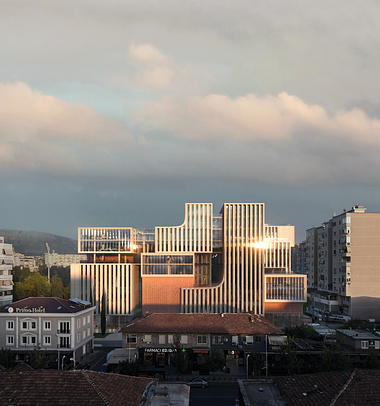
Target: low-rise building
(155,337)
(57,326)
(359,341)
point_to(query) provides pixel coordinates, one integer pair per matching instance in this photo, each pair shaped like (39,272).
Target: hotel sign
(40,309)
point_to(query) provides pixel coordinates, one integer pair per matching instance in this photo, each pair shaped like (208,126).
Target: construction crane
(48,260)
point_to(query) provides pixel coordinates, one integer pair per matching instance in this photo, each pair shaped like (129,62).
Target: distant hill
(33,242)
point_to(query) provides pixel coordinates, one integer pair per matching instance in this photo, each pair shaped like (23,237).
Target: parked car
(197,383)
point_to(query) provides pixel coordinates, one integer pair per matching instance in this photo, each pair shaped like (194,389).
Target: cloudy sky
(116,113)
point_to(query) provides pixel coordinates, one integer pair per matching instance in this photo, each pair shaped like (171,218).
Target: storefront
(156,357)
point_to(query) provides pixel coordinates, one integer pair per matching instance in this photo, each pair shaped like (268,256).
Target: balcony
(64,331)
(63,345)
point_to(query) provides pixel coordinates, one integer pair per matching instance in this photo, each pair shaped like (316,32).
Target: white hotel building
(56,326)
(230,262)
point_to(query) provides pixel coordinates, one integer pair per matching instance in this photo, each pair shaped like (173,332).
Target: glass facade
(164,264)
(97,240)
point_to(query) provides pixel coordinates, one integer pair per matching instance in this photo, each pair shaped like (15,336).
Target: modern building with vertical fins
(229,262)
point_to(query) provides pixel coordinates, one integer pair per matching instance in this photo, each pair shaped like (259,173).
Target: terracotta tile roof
(50,304)
(210,323)
(339,388)
(50,387)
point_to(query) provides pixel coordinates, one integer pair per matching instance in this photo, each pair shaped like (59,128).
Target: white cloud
(147,53)
(41,131)
(154,70)
(252,118)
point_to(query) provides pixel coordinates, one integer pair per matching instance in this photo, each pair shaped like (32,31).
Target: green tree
(256,363)
(35,285)
(372,360)
(7,358)
(19,274)
(179,357)
(38,360)
(215,360)
(103,315)
(306,304)
(289,357)
(302,331)
(334,358)
(56,286)
(128,368)
(58,289)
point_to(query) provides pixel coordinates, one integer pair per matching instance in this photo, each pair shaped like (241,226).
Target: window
(161,339)
(10,325)
(218,339)
(10,340)
(88,332)
(29,339)
(64,327)
(170,339)
(88,319)
(147,338)
(365,345)
(202,339)
(249,339)
(184,339)
(28,325)
(377,345)
(47,325)
(84,334)
(84,321)
(131,339)
(234,340)
(78,337)
(47,340)
(78,323)
(64,342)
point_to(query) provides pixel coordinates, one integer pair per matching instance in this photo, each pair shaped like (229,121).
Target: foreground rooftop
(26,386)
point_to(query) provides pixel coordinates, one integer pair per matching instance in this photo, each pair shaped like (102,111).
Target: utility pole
(48,259)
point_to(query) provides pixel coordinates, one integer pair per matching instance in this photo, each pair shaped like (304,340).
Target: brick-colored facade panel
(163,294)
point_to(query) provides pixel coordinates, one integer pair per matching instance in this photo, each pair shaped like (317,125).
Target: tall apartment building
(230,262)
(6,277)
(343,263)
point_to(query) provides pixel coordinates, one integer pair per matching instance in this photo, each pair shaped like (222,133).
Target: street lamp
(129,348)
(63,358)
(247,364)
(266,357)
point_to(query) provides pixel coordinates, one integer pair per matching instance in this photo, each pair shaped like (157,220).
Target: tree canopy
(36,285)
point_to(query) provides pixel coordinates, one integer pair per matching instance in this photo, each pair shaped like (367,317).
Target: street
(216,394)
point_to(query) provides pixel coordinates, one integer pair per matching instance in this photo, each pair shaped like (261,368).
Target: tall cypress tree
(103,315)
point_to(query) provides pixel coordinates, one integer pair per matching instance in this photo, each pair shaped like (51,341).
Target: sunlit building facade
(343,263)
(230,262)
(6,277)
